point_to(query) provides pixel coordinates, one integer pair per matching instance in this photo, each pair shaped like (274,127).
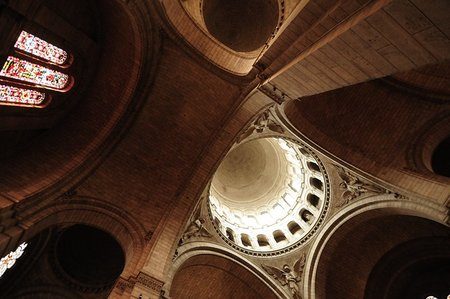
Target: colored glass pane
(26,71)
(10,259)
(14,95)
(34,45)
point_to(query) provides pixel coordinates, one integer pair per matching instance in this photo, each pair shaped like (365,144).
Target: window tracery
(10,259)
(31,44)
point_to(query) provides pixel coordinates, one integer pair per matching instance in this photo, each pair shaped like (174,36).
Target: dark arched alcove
(440,161)
(348,264)
(89,258)
(415,269)
(243,26)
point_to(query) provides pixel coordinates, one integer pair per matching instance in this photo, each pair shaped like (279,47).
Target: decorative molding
(354,187)
(264,123)
(304,239)
(195,229)
(127,285)
(149,282)
(273,92)
(289,276)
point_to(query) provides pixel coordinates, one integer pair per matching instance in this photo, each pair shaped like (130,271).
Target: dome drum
(267,195)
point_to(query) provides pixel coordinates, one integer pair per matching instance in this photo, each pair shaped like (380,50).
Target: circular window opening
(90,257)
(440,161)
(242,25)
(264,197)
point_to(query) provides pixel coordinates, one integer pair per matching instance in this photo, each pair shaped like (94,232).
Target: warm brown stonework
(157,103)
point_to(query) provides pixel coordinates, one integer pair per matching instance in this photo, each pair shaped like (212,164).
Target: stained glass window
(26,71)
(34,45)
(14,95)
(10,259)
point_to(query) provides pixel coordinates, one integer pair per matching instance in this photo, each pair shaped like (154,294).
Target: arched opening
(245,239)
(230,234)
(209,276)
(279,236)
(313,166)
(294,227)
(306,216)
(88,257)
(316,183)
(262,240)
(440,161)
(217,222)
(414,269)
(313,200)
(304,151)
(355,248)
(238,24)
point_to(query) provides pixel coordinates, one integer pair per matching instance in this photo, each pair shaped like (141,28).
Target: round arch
(198,249)
(65,153)
(370,208)
(127,232)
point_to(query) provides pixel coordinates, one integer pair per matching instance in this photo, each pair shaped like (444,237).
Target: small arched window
(32,75)
(316,183)
(313,200)
(23,70)
(262,240)
(245,239)
(279,236)
(10,95)
(33,45)
(294,227)
(230,234)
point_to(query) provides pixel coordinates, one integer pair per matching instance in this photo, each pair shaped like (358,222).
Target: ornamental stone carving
(195,229)
(353,187)
(263,123)
(289,276)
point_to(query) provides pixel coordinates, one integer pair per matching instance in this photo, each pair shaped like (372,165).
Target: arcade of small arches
(267,194)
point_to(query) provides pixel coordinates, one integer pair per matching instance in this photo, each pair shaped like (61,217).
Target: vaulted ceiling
(159,100)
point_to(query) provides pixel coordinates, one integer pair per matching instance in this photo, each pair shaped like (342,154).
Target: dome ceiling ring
(259,244)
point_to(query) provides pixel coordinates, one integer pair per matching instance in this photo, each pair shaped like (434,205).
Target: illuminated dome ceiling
(267,195)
